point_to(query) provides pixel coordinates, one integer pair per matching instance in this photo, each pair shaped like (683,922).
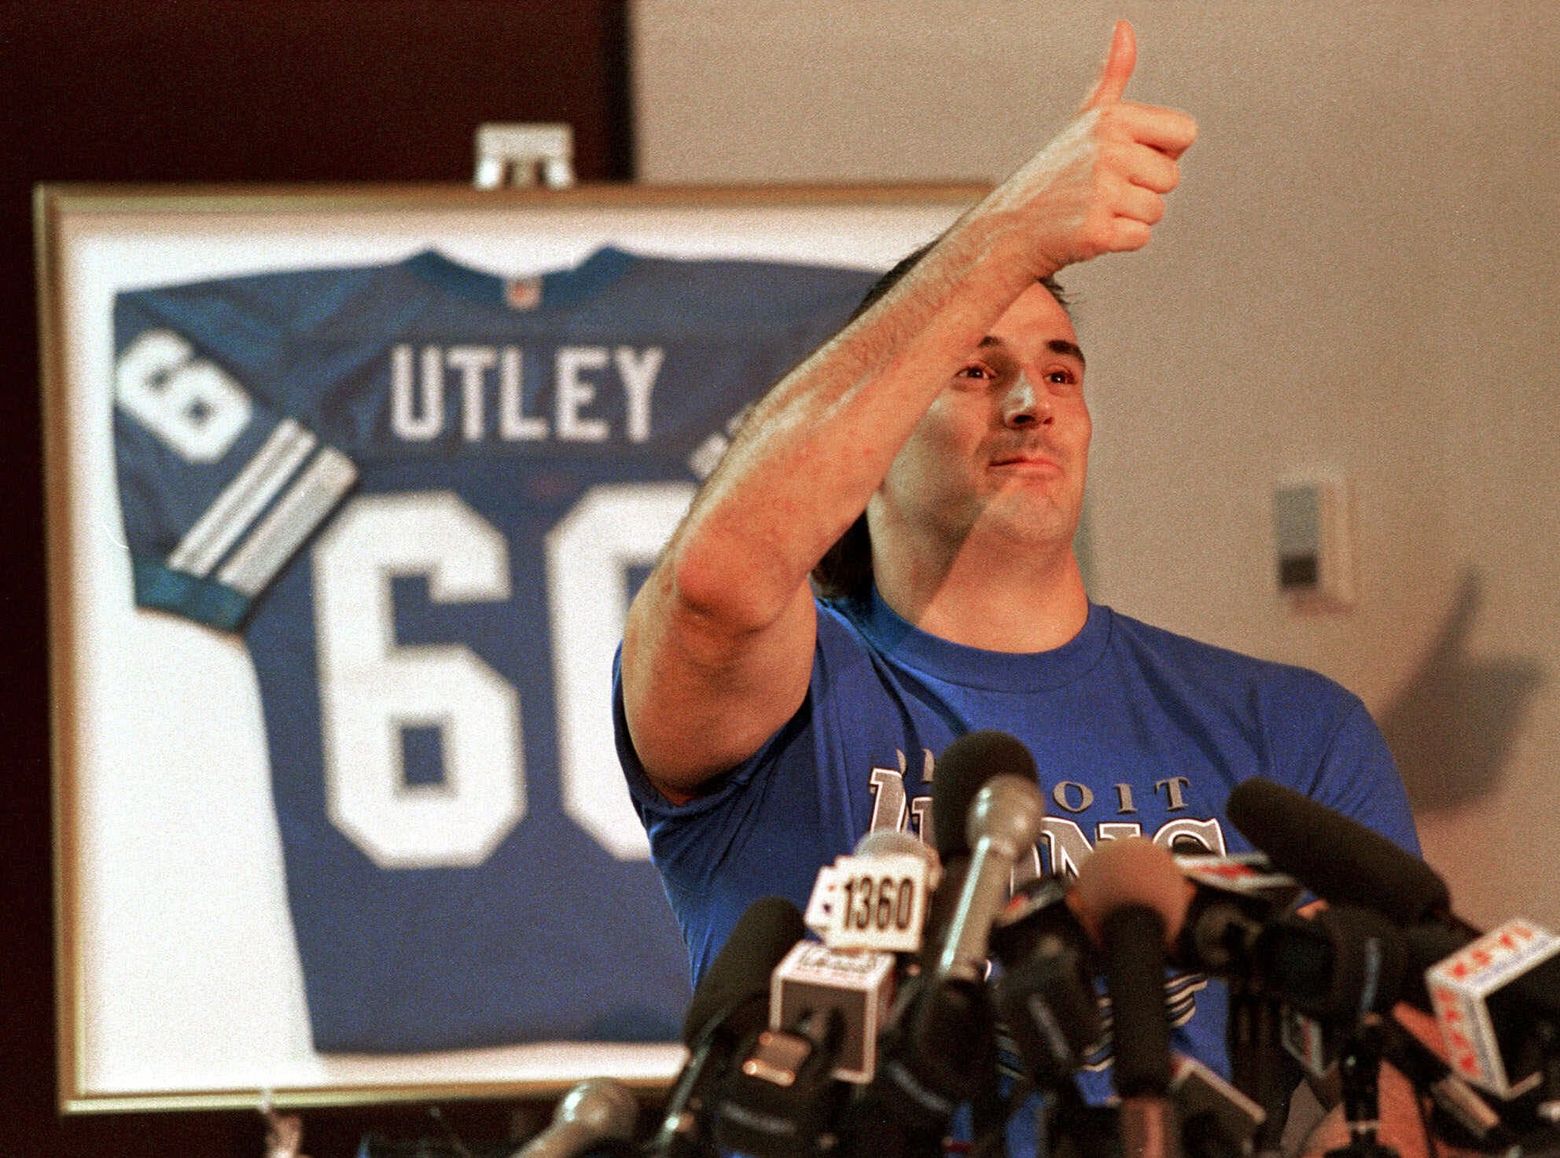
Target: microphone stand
(1259,1067)
(1359,1071)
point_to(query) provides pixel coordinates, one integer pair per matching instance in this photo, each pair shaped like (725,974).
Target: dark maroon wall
(241,91)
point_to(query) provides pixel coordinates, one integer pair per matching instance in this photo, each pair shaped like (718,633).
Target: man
(763,730)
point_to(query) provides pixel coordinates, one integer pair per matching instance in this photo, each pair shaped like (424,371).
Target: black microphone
(595,1112)
(1230,900)
(1320,975)
(1344,862)
(1335,965)
(1133,897)
(1335,857)
(1332,970)
(782,1100)
(730,1004)
(1314,1029)
(1045,997)
(1338,972)
(951,1035)
(1358,871)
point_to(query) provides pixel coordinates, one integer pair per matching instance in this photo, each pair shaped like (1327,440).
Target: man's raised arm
(718,650)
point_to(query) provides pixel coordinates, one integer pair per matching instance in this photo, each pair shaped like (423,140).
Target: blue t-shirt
(1136,732)
(422,493)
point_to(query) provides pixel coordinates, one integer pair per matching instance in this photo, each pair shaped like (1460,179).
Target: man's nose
(1023,405)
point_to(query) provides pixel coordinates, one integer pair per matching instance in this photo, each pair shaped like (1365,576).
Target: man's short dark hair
(845,571)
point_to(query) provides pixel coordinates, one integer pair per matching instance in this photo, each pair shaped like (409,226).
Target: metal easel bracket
(519,155)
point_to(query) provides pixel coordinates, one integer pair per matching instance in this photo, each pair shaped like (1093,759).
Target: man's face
(1004,448)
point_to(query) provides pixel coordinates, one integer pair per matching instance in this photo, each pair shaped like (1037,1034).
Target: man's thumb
(1119,64)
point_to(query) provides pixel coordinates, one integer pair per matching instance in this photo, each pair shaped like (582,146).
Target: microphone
(1230,899)
(1335,857)
(1045,996)
(1004,823)
(1335,965)
(1497,1004)
(857,985)
(1461,1116)
(888,842)
(957,777)
(1344,862)
(1216,1119)
(827,1001)
(877,897)
(868,908)
(594,1112)
(1338,972)
(960,773)
(1495,997)
(939,1047)
(728,1007)
(1134,899)
(1327,969)
(782,1101)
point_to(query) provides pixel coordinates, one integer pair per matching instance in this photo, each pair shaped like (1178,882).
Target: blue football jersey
(423,494)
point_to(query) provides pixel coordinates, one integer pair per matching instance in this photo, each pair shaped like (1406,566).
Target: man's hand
(1098,187)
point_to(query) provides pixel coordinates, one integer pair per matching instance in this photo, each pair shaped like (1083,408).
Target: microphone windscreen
(1335,857)
(894,842)
(765,933)
(960,772)
(1132,871)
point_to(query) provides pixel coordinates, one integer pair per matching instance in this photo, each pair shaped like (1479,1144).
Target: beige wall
(1358,276)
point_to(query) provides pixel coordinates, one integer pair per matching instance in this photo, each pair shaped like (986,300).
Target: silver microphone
(594,1111)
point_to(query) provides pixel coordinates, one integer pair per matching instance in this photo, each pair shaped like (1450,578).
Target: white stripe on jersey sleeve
(312,496)
(242,500)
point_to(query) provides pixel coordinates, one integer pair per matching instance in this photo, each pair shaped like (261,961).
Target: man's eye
(1062,377)
(976,370)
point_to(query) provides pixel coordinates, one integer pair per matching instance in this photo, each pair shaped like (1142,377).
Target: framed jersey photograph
(347,492)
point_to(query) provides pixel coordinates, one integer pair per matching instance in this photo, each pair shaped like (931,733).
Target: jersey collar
(560,289)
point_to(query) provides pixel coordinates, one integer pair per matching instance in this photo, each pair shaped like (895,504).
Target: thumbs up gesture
(1100,186)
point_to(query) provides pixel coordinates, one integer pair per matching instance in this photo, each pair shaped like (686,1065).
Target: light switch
(1314,543)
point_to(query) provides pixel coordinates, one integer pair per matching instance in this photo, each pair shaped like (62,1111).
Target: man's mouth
(1039,463)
